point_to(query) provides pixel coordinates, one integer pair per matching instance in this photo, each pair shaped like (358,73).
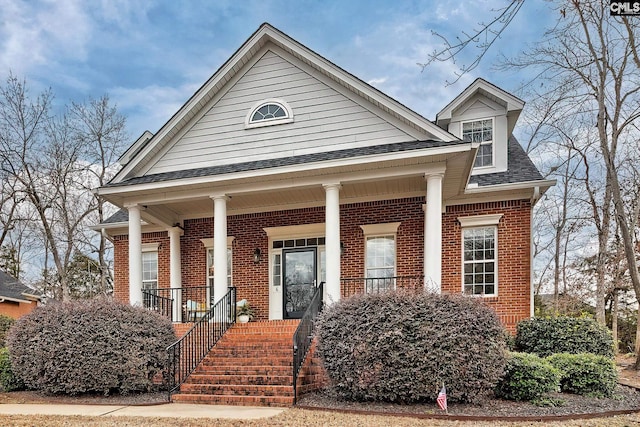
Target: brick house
(16,299)
(284,171)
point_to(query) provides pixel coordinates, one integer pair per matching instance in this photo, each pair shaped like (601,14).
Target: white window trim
(493,141)
(381,230)
(248,124)
(480,221)
(150,247)
(208,244)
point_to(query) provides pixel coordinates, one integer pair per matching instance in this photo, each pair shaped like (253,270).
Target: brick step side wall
(250,366)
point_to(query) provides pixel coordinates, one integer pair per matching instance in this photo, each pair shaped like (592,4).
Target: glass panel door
(299,273)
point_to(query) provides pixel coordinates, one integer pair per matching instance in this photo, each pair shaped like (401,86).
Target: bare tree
(480,39)
(592,56)
(54,162)
(101,130)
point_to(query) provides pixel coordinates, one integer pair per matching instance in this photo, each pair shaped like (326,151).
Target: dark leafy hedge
(401,347)
(564,335)
(5,324)
(527,377)
(586,373)
(89,346)
(8,381)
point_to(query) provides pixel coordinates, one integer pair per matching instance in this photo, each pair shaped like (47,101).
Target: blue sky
(150,56)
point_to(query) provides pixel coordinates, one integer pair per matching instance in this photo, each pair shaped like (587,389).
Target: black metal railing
(158,303)
(195,302)
(186,353)
(357,285)
(303,335)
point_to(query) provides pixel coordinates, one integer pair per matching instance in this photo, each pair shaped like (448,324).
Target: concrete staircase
(250,366)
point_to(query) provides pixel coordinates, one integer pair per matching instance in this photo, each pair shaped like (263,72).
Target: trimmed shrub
(401,347)
(90,346)
(586,373)
(5,324)
(527,377)
(545,337)
(8,381)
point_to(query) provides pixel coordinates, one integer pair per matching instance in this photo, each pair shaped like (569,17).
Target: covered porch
(275,237)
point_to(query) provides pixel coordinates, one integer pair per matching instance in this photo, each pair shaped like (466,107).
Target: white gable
(325,119)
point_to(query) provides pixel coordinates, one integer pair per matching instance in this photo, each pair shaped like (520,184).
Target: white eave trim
(350,161)
(3,298)
(510,186)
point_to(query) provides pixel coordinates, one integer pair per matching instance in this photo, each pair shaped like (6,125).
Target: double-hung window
(380,256)
(149,274)
(480,131)
(479,254)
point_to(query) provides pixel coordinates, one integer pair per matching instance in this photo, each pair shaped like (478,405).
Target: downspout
(534,199)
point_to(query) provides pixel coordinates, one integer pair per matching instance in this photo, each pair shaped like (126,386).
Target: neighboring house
(283,170)
(16,299)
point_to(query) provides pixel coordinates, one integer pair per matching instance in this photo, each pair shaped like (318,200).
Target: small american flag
(442,399)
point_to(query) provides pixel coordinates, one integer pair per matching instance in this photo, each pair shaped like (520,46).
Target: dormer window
(480,131)
(269,112)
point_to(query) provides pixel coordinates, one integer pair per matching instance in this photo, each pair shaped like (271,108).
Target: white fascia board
(513,102)
(511,186)
(14,299)
(351,161)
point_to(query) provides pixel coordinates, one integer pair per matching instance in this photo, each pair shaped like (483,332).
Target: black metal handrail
(158,303)
(194,302)
(357,285)
(186,353)
(303,335)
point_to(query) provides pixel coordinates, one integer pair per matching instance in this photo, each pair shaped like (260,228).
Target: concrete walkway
(173,410)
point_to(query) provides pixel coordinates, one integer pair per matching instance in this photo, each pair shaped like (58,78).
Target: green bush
(5,324)
(586,373)
(527,377)
(90,346)
(8,381)
(545,337)
(401,347)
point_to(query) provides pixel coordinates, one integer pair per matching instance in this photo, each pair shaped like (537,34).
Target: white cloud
(36,34)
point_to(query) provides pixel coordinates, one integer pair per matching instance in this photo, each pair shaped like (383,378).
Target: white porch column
(433,233)
(135,256)
(175,272)
(332,241)
(219,246)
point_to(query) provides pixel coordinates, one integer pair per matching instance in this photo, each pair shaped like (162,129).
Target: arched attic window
(269,112)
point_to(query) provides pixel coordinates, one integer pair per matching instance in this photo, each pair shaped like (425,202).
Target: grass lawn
(294,417)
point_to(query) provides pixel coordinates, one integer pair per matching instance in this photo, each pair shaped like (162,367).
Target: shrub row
(5,324)
(545,337)
(8,380)
(528,376)
(99,346)
(401,347)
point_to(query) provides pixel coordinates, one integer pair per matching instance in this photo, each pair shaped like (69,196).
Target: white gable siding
(324,120)
(479,108)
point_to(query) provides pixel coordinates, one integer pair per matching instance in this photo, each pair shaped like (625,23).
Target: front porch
(190,303)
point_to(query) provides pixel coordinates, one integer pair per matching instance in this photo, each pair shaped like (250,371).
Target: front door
(299,279)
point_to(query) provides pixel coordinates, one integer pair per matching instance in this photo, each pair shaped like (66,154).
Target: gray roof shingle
(284,161)
(520,169)
(10,287)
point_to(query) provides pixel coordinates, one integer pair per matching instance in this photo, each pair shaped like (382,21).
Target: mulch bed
(132,399)
(625,399)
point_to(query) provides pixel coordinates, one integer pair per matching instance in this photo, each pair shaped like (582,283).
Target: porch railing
(158,303)
(303,335)
(194,302)
(358,285)
(186,353)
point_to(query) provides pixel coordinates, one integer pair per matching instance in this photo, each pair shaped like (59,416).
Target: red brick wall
(16,309)
(252,279)
(514,256)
